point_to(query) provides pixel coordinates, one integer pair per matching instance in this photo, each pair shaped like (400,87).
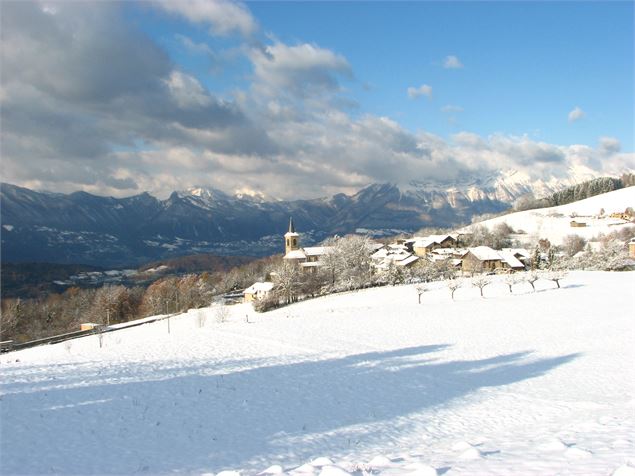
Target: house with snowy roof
(485,259)
(421,246)
(257,291)
(384,257)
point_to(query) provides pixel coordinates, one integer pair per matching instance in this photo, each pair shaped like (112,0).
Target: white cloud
(423,90)
(223,16)
(576,114)
(187,91)
(452,62)
(302,70)
(144,125)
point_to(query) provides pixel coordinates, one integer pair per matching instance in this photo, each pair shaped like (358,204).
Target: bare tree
(453,285)
(572,244)
(480,281)
(421,289)
(556,276)
(531,278)
(511,280)
(286,278)
(348,261)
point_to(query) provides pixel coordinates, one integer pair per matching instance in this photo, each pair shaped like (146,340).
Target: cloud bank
(89,102)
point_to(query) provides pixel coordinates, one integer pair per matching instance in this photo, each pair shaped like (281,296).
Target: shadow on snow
(161,420)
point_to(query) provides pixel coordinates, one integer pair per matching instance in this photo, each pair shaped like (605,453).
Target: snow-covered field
(554,223)
(531,383)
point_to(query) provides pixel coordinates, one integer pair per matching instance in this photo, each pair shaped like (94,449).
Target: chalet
(631,248)
(257,291)
(486,259)
(577,224)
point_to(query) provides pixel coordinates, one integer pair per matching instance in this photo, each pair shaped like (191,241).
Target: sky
(306,99)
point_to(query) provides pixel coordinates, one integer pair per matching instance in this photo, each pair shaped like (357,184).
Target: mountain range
(83,228)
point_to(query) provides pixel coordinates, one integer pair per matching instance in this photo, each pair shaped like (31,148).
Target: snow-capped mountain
(84,228)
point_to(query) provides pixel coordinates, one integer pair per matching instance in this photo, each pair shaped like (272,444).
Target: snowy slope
(530,383)
(554,223)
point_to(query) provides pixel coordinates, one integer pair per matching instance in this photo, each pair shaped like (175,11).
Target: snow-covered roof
(510,259)
(407,260)
(449,251)
(295,254)
(316,250)
(379,254)
(518,251)
(291,234)
(259,286)
(484,253)
(426,241)
(376,246)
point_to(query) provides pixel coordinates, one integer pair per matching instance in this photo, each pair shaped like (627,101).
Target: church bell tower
(291,238)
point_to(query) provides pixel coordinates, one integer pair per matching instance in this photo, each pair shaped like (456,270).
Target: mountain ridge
(83,228)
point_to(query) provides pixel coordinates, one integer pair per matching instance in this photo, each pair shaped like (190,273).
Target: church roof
(295,254)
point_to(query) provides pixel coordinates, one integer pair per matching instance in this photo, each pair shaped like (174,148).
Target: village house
(577,224)
(485,259)
(257,291)
(631,248)
(393,254)
(421,246)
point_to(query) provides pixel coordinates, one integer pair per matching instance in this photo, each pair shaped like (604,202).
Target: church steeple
(291,238)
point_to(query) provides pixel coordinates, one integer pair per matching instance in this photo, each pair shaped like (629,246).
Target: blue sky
(526,65)
(311,98)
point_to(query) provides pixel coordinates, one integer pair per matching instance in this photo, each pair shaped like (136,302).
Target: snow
(316,250)
(484,253)
(8,227)
(264,287)
(554,223)
(295,254)
(525,383)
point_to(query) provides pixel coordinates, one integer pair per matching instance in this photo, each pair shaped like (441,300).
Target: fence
(9,346)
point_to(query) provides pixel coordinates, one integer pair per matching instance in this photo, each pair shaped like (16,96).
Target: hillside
(554,223)
(530,383)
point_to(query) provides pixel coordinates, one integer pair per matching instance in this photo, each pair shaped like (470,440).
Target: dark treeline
(27,319)
(576,192)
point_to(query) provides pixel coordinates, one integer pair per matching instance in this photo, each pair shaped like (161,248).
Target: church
(307,258)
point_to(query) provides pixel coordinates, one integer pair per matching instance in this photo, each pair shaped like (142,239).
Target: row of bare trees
(27,319)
